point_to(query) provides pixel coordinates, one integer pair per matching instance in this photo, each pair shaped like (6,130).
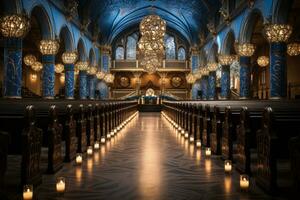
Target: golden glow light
(190,78)
(208,151)
(27,192)
(293,49)
(102,140)
(33,77)
(263,61)
(109,78)
(14,26)
(244,181)
(226,59)
(90,150)
(82,65)
(198,143)
(96,145)
(29,59)
(60,184)
(245,49)
(37,66)
(62,78)
(92,70)
(59,68)
(69,57)
(49,47)
(212,66)
(227,166)
(278,32)
(78,158)
(100,75)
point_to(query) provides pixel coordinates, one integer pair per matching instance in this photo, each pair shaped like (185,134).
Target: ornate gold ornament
(226,59)
(14,26)
(109,78)
(245,49)
(263,61)
(212,66)
(29,59)
(69,57)
(37,66)
(278,32)
(176,81)
(59,68)
(82,65)
(100,75)
(293,49)
(190,78)
(49,47)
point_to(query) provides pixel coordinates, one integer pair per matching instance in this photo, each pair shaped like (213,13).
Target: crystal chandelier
(59,68)
(49,47)
(293,49)
(69,57)
(263,61)
(82,65)
(100,75)
(151,44)
(37,66)
(226,59)
(246,49)
(278,32)
(190,78)
(29,59)
(14,26)
(109,78)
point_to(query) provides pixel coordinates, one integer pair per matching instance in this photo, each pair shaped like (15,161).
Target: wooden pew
(90,131)
(81,130)
(97,122)
(294,149)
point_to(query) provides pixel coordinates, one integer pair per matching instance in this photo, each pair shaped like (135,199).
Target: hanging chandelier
(293,49)
(29,59)
(263,61)
(59,68)
(151,44)
(37,66)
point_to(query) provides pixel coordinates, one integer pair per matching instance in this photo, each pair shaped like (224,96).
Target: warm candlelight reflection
(208,166)
(227,184)
(78,174)
(96,157)
(90,165)
(191,150)
(198,157)
(150,171)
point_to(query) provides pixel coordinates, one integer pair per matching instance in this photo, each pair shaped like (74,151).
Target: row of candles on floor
(244,178)
(61,181)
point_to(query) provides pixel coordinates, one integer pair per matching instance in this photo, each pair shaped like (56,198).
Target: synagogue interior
(149,99)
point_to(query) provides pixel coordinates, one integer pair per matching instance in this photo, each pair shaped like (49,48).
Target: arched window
(170,47)
(131,47)
(120,53)
(181,54)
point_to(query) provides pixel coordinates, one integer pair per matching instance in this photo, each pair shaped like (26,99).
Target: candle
(179,128)
(227,166)
(103,140)
(96,145)
(118,128)
(244,181)
(28,192)
(60,185)
(186,135)
(208,151)
(198,143)
(108,136)
(115,130)
(182,131)
(78,158)
(89,150)
(191,139)
(112,133)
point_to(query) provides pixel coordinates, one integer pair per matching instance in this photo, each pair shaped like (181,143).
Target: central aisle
(147,160)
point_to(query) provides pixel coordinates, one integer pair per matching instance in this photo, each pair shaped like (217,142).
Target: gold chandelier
(109,78)
(278,32)
(29,59)
(293,49)
(100,75)
(92,70)
(37,66)
(212,66)
(59,68)
(151,44)
(69,57)
(82,65)
(226,59)
(49,47)
(190,78)
(263,61)
(14,26)
(245,49)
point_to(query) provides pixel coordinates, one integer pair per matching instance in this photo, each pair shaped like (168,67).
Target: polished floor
(148,160)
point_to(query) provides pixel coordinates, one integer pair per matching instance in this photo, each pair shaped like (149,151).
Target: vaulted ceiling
(188,17)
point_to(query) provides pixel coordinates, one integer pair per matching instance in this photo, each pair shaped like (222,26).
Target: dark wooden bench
(90,128)
(81,130)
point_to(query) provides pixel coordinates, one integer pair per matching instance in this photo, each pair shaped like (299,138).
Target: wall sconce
(78,158)
(208,151)
(90,150)
(60,184)
(27,192)
(33,77)
(227,166)
(244,181)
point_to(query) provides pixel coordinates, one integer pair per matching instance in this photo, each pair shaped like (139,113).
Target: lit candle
(227,166)
(182,131)
(108,136)
(179,128)
(186,135)
(191,139)
(208,151)
(115,130)
(28,192)
(118,128)
(112,134)
(198,143)
(60,184)
(103,140)
(96,145)
(78,158)
(89,150)
(244,181)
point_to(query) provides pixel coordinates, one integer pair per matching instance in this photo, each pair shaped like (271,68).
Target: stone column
(82,84)
(225,61)
(277,35)
(13,28)
(69,58)
(212,85)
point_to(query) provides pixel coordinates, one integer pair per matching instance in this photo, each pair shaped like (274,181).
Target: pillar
(83,84)
(204,86)
(278,72)
(69,81)
(225,82)
(91,86)
(212,85)
(48,76)
(245,77)
(12,80)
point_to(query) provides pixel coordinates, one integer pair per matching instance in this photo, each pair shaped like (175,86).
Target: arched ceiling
(187,17)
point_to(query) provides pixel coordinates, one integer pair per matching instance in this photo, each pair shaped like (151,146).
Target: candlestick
(27,192)
(78,158)
(60,184)
(227,166)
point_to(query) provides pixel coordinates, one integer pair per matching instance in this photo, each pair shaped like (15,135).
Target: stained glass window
(170,47)
(120,53)
(181,54)
(131,47)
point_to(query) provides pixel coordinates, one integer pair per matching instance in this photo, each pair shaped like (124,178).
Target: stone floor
(148,160)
